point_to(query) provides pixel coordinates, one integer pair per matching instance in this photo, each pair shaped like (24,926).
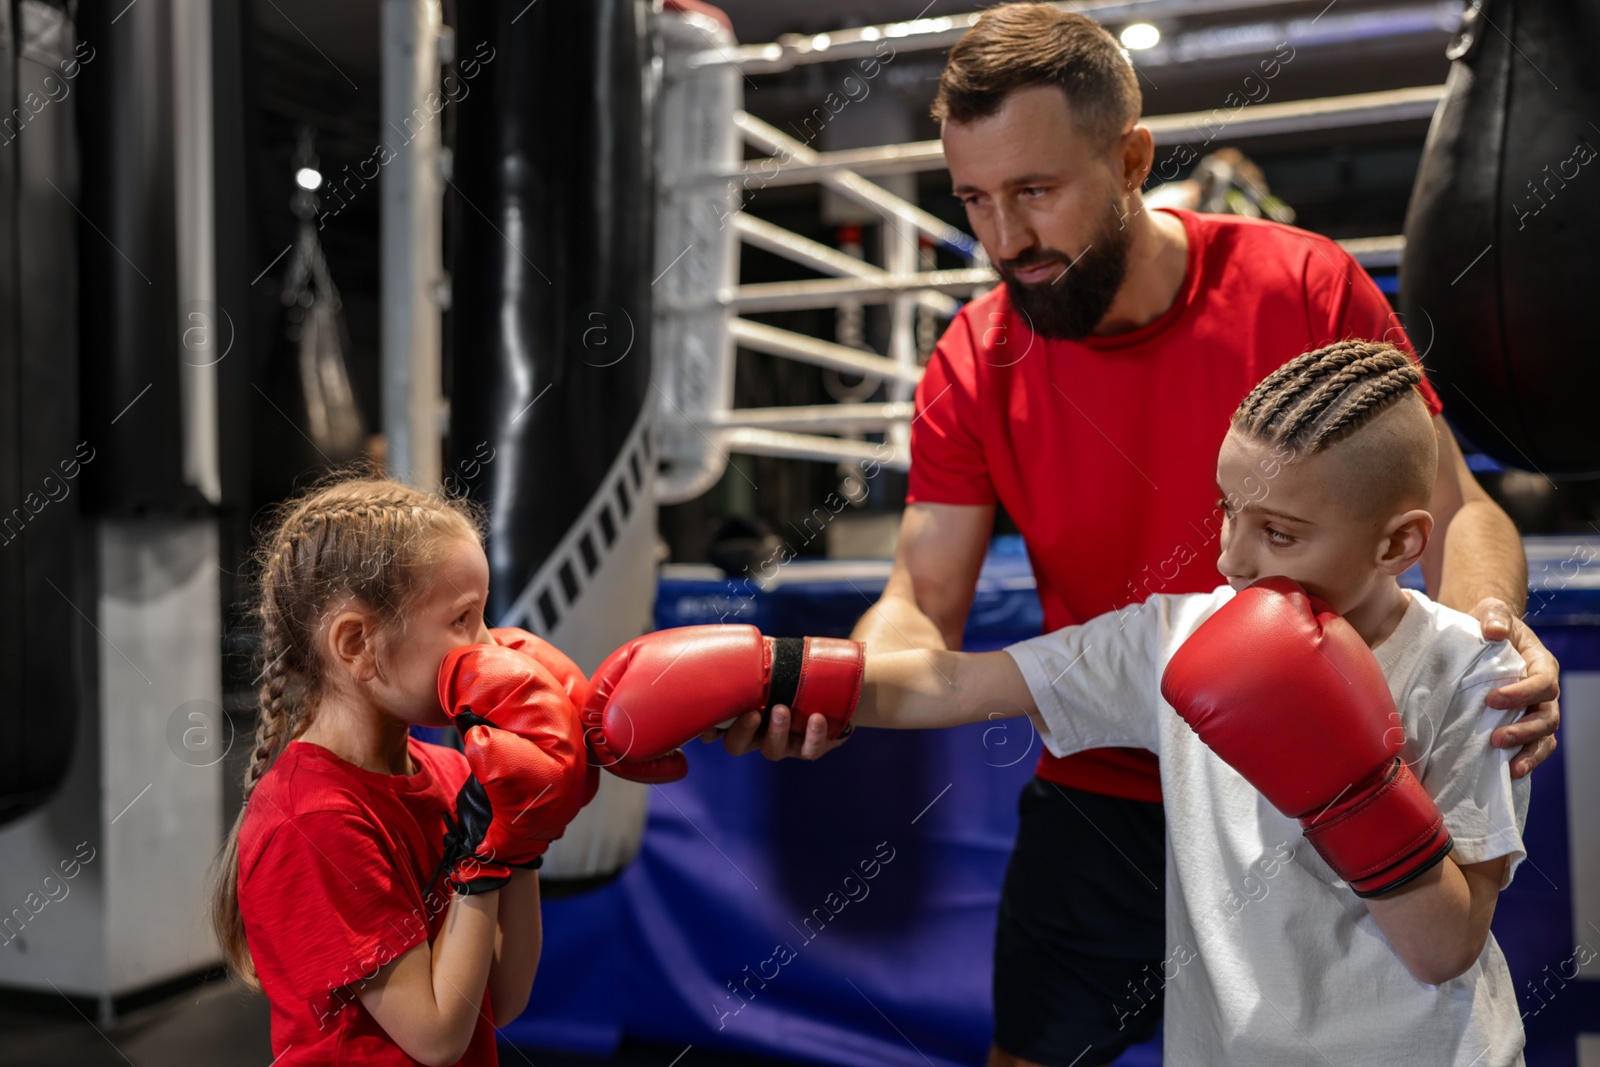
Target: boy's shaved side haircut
(1324,397)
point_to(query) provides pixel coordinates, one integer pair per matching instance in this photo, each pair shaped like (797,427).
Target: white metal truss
(701,224)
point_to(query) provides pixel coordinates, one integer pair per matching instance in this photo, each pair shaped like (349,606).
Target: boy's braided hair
(1325,395)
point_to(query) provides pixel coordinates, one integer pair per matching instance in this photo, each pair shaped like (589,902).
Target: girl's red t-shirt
(1104,451)
(333,863)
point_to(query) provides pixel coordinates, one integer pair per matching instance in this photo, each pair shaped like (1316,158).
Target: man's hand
(1537,692)
(776,742)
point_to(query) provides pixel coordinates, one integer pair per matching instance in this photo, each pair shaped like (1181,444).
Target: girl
(326,898)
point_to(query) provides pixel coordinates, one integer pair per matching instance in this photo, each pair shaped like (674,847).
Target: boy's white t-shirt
(1272,959)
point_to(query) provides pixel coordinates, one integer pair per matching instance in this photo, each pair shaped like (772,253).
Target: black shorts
(1082,931)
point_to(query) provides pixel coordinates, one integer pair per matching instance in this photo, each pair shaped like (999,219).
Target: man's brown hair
(1014,46)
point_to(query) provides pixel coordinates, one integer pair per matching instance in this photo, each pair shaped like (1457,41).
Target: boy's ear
(352,644)
(1405,538)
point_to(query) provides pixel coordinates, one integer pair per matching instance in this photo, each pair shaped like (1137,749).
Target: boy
(1339,827)
(1279,952)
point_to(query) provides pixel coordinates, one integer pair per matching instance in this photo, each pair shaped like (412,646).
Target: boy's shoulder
(1445,643)
(1182,613)
(1160,622)
(1433,639)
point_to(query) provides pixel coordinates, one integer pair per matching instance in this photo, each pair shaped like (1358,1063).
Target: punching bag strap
(1474,18)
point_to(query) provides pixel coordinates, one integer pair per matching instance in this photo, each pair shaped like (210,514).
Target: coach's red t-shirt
(1104,451)
(333,861)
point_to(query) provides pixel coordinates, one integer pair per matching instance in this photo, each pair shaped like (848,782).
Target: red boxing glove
(666,688)
(522,737)
(501,819)
(1291,697)
(570,676)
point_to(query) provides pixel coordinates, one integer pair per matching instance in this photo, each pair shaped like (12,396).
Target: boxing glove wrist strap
(816,674)
(1385,837)
(788,653)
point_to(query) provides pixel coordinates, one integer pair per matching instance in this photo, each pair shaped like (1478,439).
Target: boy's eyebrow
(1277,514)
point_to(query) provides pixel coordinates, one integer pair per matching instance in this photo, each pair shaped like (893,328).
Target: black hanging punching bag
(551,410)
(48,451)
(1501,257)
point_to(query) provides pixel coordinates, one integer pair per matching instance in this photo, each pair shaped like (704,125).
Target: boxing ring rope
(923,34)
(779,241)
(1414,104)
(807,349)
(702,435)
(826,292)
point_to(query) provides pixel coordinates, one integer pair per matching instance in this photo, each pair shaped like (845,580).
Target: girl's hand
(516,801)
(522,736)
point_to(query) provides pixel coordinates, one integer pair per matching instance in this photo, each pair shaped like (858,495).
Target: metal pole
(771,139)
(413,279)
(816,351)
(900,256)
(195,187)
(1413,104)
(818,256)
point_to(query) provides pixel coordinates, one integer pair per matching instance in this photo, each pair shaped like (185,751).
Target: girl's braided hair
(371,540)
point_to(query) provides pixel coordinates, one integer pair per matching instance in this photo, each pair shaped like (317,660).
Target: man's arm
(930,589)
(1474,563)
(1476,551)
(924,605)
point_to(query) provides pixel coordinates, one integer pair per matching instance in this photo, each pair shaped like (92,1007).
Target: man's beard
(1068,307)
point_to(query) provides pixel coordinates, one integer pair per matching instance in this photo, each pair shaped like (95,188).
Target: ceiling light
(1140,35)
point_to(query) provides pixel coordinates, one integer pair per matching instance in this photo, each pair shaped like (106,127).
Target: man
(1099,381)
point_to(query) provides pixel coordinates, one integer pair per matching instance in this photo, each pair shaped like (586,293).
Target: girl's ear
(352,644)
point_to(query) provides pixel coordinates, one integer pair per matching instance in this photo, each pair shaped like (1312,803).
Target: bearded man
(1089,395)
